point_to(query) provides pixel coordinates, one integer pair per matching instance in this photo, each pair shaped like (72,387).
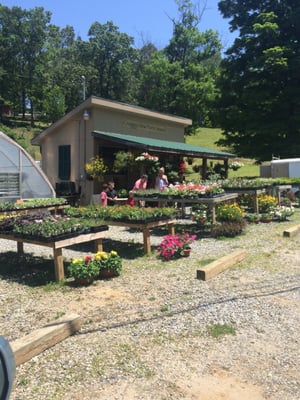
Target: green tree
(112,57)
(181,78)
(22,36)
(259,106)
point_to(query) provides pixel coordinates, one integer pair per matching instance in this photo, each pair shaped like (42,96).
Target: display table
(54,210)
(146,227)
(254,192)
(182,202)
(57,246)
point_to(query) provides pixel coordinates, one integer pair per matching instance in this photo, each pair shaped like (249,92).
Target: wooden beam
(41,339)
(291,231)
(216,267)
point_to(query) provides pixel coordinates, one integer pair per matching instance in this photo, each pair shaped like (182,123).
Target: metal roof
(163,146)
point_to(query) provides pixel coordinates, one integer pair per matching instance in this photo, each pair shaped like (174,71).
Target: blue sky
(145,20)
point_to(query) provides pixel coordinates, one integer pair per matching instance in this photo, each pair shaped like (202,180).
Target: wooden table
(54,210)
(254,192)
(183,202)
(57,246)
(145,227)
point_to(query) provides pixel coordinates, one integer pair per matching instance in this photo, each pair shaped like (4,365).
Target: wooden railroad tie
(41,339)
(294,230)
(216,267)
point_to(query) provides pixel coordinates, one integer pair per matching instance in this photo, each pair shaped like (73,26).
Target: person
(141,184)
(130,200)
(161,180)
(111,193)
(103,195)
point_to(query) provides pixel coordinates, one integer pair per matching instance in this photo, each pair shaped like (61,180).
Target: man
(111,193)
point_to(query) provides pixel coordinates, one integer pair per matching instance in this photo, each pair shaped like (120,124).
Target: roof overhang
(162,146)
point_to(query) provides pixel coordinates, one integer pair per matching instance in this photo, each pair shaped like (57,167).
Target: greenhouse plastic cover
(33,183)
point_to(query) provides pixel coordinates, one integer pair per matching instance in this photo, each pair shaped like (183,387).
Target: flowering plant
(147,157)
(202,216)
(96,168)
(280,213)
(229,213)
(266,203)
(90,266)
(110,261)
(83,268)
(235,165)
(172,246)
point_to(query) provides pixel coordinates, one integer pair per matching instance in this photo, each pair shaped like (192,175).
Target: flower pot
(83,281)
(106,274)
(187,252)
(266,220)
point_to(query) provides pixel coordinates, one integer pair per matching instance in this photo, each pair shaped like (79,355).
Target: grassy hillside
(207,137)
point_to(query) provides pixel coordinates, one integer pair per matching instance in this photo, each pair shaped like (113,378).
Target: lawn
(207,137)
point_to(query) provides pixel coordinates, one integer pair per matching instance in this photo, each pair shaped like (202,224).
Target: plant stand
(57,247)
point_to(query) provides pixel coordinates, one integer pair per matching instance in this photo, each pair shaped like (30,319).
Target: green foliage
(229,212)
(260,94)
(83,268)
(217,330)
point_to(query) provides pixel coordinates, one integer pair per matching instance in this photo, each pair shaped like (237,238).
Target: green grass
(207,137)
(217,330)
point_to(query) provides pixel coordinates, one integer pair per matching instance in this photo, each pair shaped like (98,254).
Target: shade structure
(20,175)
(163,146)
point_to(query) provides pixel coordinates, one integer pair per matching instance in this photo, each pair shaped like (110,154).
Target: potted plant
(253,218)
(84,270)
(109,263)
(175,246)
(96,168)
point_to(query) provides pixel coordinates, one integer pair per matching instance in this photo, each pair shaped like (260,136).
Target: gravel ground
(147,334)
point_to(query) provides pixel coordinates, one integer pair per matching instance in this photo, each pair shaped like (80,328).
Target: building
(104,127)
(20,176)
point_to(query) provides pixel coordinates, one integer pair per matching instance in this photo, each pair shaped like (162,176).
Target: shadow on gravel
(26,269)
(199,307)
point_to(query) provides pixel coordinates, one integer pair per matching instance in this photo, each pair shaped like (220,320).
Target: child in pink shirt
(103,195)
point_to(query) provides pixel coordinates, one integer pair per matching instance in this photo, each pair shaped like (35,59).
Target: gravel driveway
(148,334)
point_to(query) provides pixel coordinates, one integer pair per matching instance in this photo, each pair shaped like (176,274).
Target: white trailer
(285,168)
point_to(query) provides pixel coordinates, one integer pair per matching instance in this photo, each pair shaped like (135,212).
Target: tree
(112,56)
(195,56)
(259,106)
(22,36)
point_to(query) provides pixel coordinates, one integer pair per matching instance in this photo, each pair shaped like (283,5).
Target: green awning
(163,146)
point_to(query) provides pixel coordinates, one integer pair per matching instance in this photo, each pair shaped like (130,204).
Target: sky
(145,20)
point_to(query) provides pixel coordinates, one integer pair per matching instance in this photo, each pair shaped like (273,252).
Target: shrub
(266,203)
(229,212)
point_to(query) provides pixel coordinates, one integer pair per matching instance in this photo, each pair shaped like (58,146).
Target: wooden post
(20,247)
(171,229)
(37,341)
(98,245)
(204,168)
(58,264)
(147,245)
(216,267)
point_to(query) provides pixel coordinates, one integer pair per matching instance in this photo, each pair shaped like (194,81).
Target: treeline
(252,92)
(47,70)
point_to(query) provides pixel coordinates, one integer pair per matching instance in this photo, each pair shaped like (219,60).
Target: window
(64,162)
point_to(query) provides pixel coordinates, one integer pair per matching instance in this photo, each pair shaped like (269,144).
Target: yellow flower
(77,260)
(113,253)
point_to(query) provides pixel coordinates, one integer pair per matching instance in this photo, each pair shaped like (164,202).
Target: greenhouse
(20,176)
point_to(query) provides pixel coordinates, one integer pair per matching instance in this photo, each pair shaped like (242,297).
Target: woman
(161,180)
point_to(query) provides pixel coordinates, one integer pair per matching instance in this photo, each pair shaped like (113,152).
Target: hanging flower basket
(96,168)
